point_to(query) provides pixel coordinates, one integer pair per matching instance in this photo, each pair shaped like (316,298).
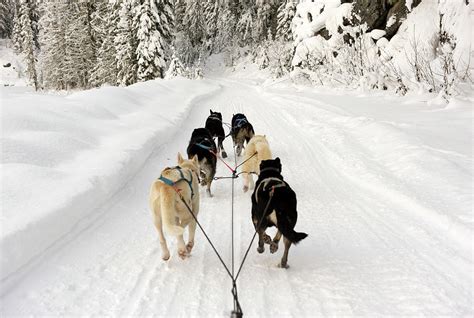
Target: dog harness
(214,117)
(276,182)
(201,145)
(173,183)
(239,122)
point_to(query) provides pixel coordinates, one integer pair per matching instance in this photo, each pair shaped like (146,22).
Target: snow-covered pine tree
(166,25)
(211,16)
(80,57)
(34,17)
(16,31)
(262,21)
(53,23)
(126,43)
(245,26)
(286,12)
(193,21)
(104,24)
(179,11)
(176,67)
(7,14)
(226,24)
(151,44)
(27,41)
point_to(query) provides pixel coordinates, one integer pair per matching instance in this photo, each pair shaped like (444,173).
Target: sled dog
(241,131)
(214,125)
(272,191)
(202,145)
(168,208)
(257,150)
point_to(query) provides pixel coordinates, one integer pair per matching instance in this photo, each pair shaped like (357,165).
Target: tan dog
(259,145)
(168,208)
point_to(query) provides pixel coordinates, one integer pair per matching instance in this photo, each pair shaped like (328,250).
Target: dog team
(175,194)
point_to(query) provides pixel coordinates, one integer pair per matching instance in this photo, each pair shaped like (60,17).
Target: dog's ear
(180,158)
(278,162)
(210,111)
(196,160)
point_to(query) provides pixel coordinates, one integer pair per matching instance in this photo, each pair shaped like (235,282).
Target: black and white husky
(202,145)
(241,131)
(274,204)
(214,125)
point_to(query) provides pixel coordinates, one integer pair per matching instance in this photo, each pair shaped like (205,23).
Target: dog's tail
(168,208)
(294,237)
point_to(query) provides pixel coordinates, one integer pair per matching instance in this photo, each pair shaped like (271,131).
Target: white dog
(257,150)
(175,184)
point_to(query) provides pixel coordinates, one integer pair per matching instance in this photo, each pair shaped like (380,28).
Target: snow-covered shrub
(280,55)
(175,68)
(430,52)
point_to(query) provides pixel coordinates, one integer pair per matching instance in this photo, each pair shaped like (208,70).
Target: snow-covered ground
(384,187)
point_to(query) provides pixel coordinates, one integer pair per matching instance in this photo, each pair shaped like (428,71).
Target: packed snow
(384,188)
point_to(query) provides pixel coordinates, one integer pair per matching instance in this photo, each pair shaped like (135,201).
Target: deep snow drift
(384,187)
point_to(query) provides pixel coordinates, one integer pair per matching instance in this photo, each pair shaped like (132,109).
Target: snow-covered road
(384,188)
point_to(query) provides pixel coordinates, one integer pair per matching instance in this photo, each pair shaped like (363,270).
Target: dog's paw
(189,246)
(209,194)
(273,247)
(165,256)
(285,266)
(245,188)
(267,239)
(182,253)
(260,249)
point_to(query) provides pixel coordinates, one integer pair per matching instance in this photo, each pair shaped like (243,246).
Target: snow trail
(376,246)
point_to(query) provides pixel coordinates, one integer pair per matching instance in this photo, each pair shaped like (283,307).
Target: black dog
(202,145)
(274,204)
(214,125)
(241,131)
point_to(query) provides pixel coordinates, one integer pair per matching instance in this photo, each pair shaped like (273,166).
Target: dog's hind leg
(192,232)
(210,173)
(220,140)
(251,183)
(247,176)
(182,250)
(239,148)
(274,243)
(165,253)
(261,241)
(208,190)
(284,259)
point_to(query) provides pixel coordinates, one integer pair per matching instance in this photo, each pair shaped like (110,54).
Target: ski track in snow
(369,251)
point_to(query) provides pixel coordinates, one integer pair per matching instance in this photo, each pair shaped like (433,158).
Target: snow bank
(64,156)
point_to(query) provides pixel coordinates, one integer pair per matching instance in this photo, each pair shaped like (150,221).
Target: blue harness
(173,183)
(201,145)
(240,122)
